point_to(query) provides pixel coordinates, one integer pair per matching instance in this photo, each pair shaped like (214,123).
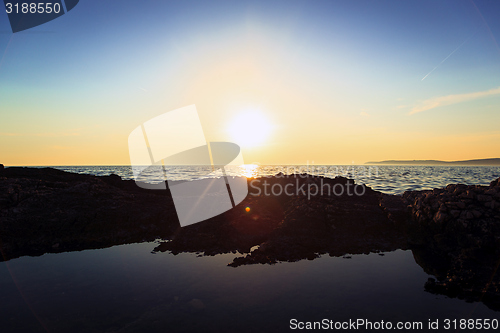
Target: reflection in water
(127,289)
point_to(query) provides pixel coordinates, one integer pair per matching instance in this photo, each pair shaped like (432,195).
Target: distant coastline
(478,162)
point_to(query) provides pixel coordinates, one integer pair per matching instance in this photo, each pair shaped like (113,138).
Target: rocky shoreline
(454,232)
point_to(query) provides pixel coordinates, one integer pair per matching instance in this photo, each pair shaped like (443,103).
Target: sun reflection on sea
(249,170)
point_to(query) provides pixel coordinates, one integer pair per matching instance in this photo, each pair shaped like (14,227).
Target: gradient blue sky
(339,81)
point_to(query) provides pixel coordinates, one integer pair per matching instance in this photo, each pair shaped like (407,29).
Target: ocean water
(387,179)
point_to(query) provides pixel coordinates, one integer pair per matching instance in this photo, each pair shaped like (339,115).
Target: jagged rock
(468,243)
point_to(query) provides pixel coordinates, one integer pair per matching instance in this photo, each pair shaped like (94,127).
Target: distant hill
(480,162)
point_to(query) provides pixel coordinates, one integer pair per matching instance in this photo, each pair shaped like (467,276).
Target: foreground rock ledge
(454,232)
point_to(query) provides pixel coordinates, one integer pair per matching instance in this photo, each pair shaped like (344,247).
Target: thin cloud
(452,99)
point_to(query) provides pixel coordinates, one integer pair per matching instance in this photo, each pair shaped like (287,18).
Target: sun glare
(249,170)
(249,129)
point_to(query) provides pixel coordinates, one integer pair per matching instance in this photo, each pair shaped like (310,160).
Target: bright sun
(249,129)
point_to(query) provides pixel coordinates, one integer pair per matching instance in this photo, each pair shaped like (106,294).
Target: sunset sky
(334,82)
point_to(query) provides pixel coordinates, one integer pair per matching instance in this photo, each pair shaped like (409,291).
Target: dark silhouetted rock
(43,207)
(456,232)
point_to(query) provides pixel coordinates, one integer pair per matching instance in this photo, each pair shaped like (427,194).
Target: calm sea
(127,288)
(387,179)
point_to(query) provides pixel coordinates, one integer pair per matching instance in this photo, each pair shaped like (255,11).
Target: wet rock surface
(454,232)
